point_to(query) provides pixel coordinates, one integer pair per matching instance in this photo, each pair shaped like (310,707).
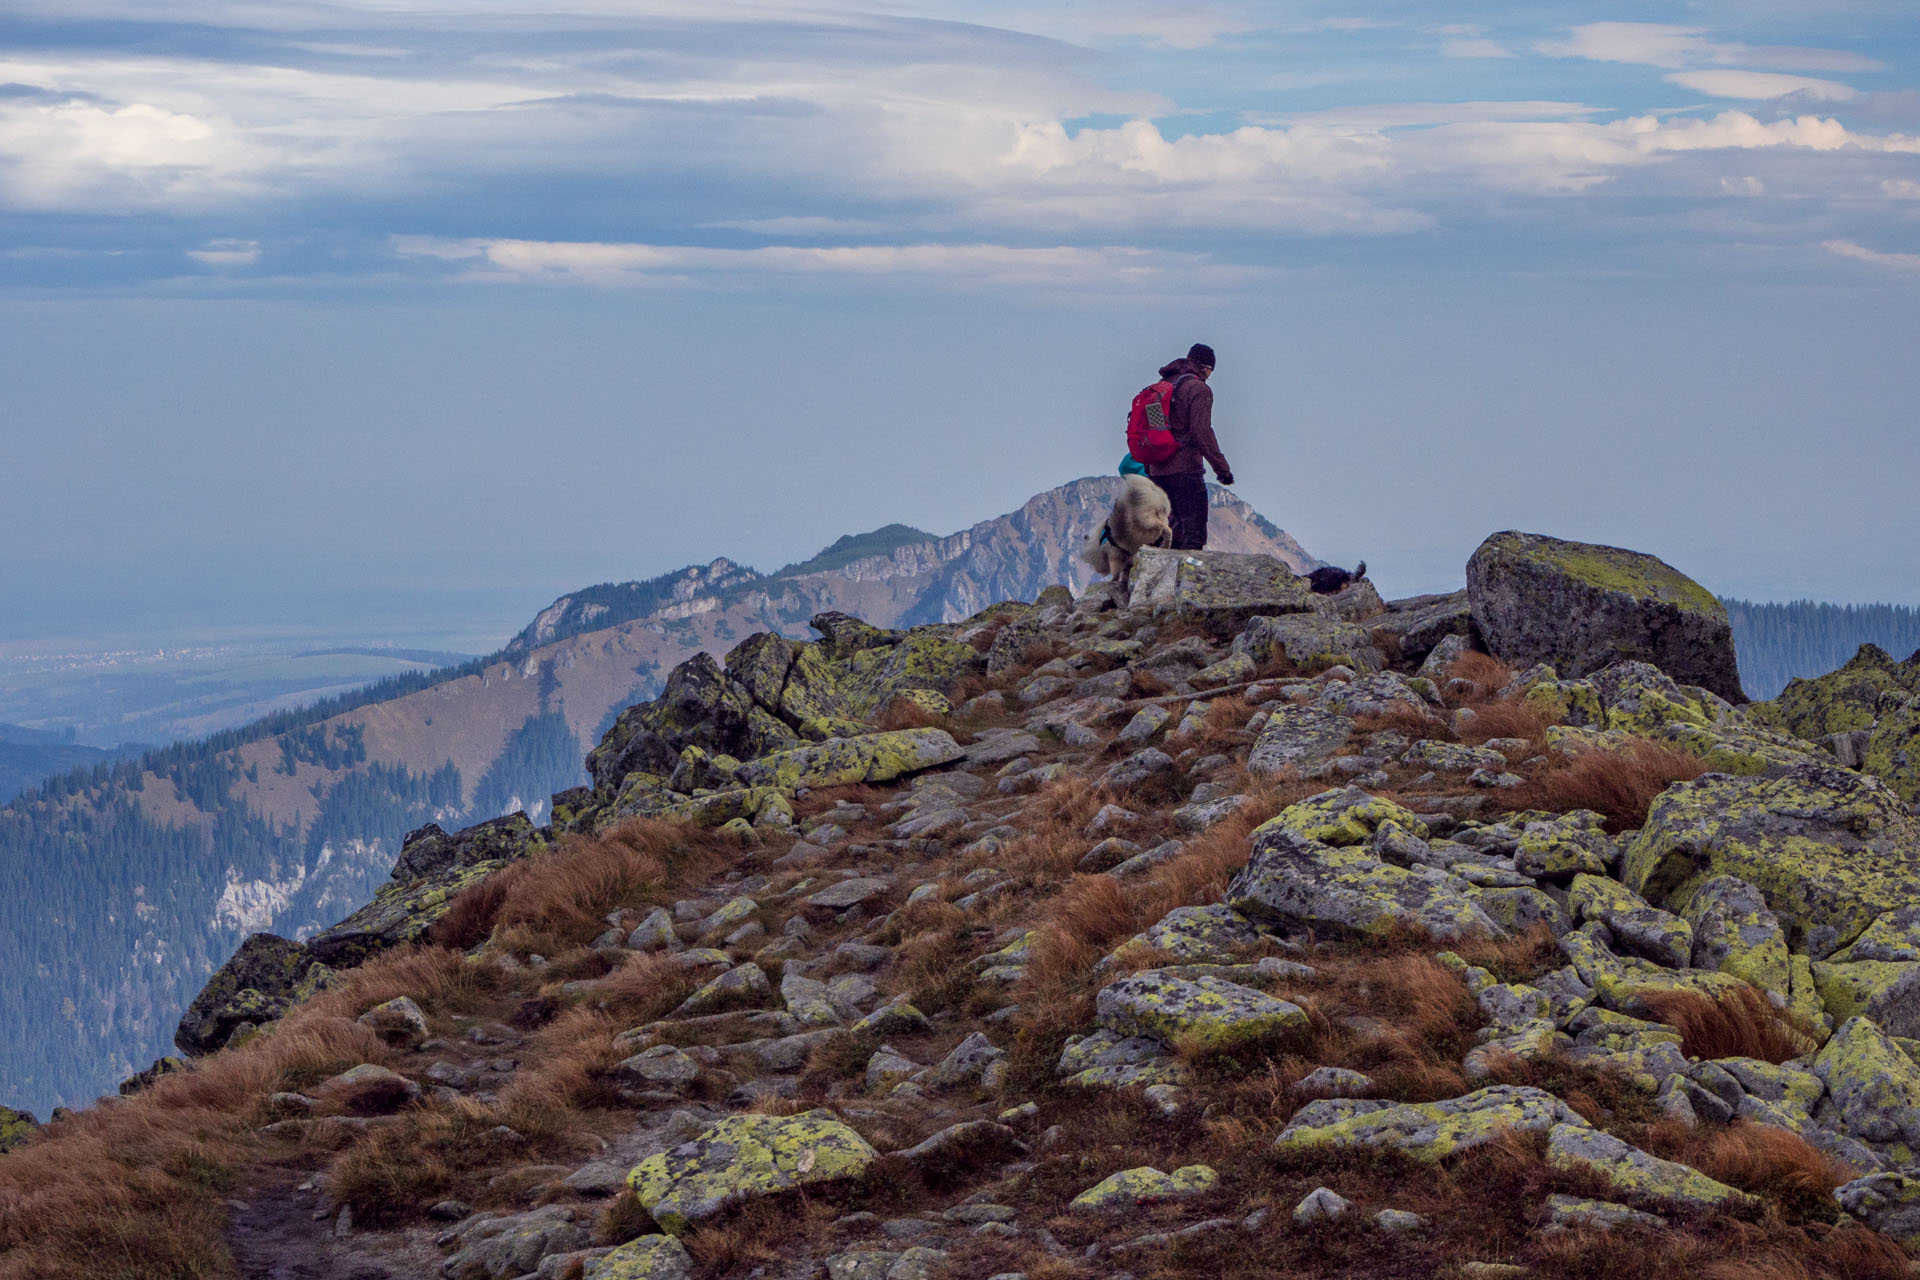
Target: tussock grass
(1620,785)
(1740,1024)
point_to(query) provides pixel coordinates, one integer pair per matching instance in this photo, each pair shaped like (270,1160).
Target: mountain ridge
(180,853)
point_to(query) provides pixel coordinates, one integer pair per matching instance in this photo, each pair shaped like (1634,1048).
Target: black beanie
(1202,354)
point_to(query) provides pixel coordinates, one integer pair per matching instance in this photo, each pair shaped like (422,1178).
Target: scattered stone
(1634,1173)
(1321,1205)
(1204,1012)
(398,1022)
(744,1157)
(1131,1188)
(652,1257)
(1425,1130)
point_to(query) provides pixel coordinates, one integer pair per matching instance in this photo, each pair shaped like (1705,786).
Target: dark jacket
(1192,426)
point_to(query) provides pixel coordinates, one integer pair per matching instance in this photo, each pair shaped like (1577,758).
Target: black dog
(1327,579)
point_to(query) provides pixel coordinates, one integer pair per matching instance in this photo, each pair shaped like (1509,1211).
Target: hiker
(1184,475)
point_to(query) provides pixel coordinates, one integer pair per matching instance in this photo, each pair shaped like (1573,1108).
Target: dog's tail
(1360,570)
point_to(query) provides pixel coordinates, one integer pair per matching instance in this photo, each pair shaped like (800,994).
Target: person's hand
(1227,478)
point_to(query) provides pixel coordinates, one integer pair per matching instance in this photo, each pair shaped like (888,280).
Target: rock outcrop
(903,994)
(1580,607)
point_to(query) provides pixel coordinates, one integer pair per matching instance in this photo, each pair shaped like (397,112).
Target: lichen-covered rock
(431,851)
(1734,932)
(1887,991)
(1582,607)
(652,1257)
(257,985)
(870,757)
(1642,929)
(1295,736)
(1887,1202)
(1294,878)
(1310,641)
(1103,1060)
(1635,1174)
(1345,816)
(746,1157)
(1203,1012)
(1415,627)
(505,1248)
(1893,749)
(1847,699)
(1131,1188)
(1451,757)
(1830,850)
(1209,934)
(1873,1085)
(742,987)
(404,911)
(16,1127)
(1223,589)
(1426,1131)
(1565,1213)
(1518,908)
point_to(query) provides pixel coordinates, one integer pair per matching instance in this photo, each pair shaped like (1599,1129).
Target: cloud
(1860,253)
(1397,115)
(1762,85)
(1655,44)
(227,253)
(605,263)
(1900,189)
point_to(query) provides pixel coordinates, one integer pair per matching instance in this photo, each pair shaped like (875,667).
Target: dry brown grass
(1508,718)
(1621,785)
(1404,717)
(904,713)
(1486,673)
(564,895)
(131,1192)
(1741,1024)
(1767,1161)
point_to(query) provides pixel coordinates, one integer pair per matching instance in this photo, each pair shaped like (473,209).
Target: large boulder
(261,981)
(1580,607)
(431,851)
(870,757)
(1222,589)
(746,1157)
(1427,1131)
(1847,699)
(1829,850)
(1297,880)
(1201,1012)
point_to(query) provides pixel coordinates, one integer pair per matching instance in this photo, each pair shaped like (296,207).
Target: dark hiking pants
(1188,494)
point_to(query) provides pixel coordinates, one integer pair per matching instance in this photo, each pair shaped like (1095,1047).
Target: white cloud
(605,263)
(227,253)
(1860,253)
(1762,85)
(1656,44)
(1900,189)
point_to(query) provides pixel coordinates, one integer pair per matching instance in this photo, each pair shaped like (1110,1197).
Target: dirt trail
(274,1235)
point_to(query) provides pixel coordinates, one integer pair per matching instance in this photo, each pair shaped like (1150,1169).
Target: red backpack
(1150,423)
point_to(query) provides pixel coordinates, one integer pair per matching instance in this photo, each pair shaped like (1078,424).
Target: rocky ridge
(1226,929)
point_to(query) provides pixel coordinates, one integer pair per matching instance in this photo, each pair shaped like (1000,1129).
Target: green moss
(1616,569)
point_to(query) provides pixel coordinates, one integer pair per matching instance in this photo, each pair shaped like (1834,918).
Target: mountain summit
(158,867)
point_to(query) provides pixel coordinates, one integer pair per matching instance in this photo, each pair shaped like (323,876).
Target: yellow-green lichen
(745,1157)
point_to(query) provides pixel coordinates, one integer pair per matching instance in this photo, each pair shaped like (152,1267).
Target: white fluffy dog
(1141,517)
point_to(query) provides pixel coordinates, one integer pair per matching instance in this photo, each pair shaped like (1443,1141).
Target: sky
(408,319)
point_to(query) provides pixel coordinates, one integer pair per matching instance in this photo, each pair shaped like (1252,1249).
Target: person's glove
(1227,478)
